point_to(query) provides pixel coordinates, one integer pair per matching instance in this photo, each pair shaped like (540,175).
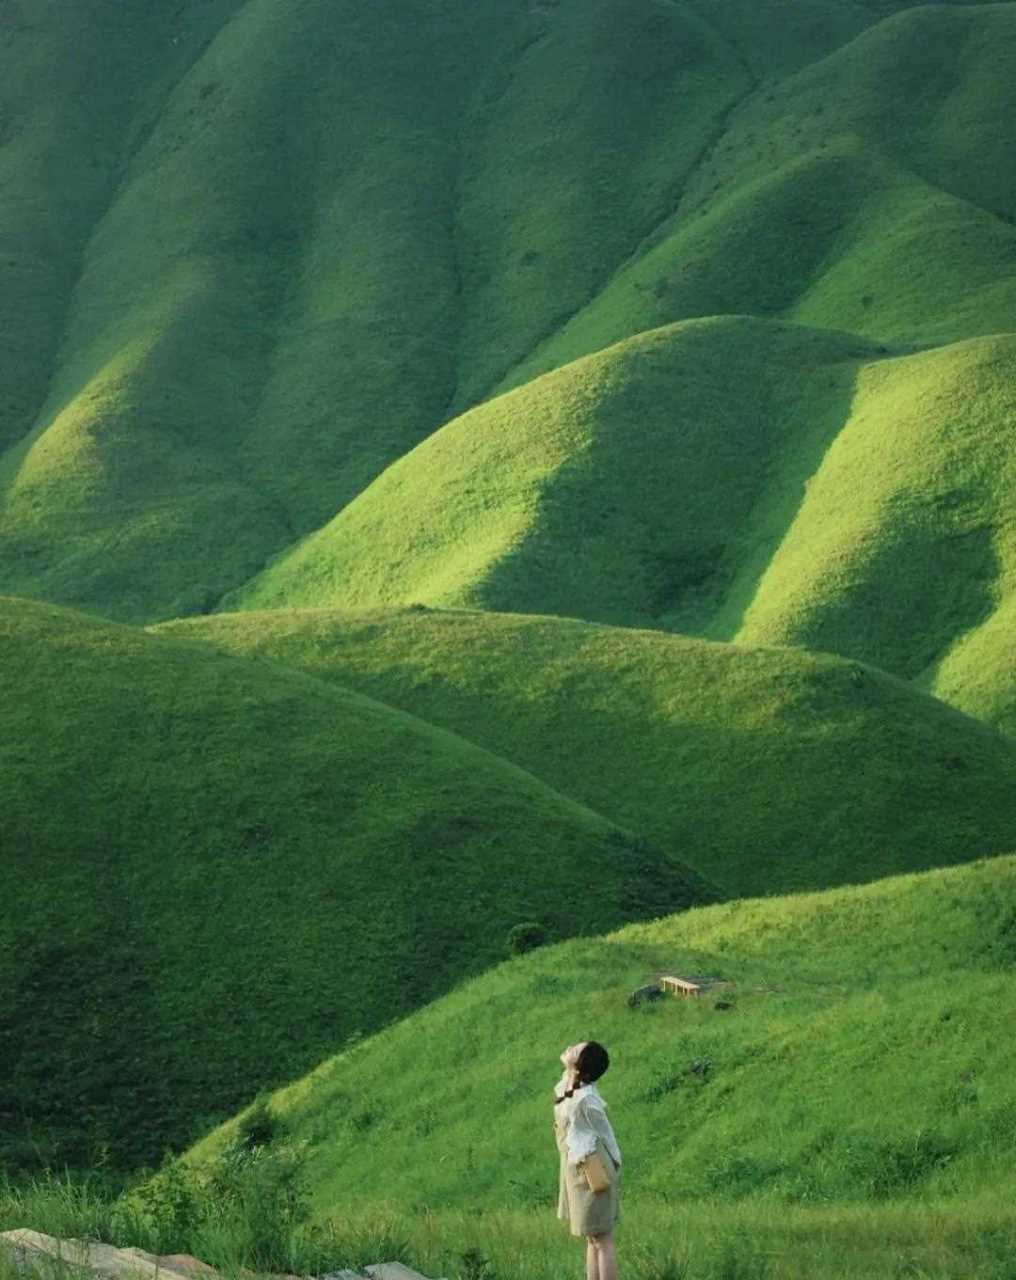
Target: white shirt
(583,1117)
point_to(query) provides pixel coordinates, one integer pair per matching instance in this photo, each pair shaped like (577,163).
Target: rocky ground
(38,1254)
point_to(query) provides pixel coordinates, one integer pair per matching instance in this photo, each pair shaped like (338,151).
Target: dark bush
(257,1126)
(527,937)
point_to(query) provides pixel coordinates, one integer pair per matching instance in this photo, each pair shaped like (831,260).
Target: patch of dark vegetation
(674,578)
(698,1072)
(527,937)
(259,1125)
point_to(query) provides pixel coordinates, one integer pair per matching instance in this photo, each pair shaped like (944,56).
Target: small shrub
(163,1211)
(644,995)
(262,1196)
(904,1165)
(363,1120)
(475,1266)
(241,1210)
(666,1084)
(258,1125)
(527,937)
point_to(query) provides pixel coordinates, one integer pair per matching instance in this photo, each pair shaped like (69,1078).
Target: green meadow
(225,278)
(478,476)
(734,478)
(860,1053)
(767,769)
(216,872)
(844,1106)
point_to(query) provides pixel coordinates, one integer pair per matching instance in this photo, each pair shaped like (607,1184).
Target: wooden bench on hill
(692,986)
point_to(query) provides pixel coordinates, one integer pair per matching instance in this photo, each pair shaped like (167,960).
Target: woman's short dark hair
(592,1062)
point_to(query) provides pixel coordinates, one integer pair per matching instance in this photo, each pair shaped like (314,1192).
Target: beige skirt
(589,1213)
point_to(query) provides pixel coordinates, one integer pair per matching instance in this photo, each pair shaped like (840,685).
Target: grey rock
(393,1271)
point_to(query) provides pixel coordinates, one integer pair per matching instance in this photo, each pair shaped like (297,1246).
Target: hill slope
(736,478)
(254,253)
(979,671)
(872,190)
(213,872)
(864,1059)
(299,252)
(767,769)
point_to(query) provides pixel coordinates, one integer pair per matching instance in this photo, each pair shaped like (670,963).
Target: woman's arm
(582,1132)
(597,1121)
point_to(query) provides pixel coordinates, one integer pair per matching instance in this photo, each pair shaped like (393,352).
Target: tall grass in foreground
(251,1214)
(247,1211)
(718,1242)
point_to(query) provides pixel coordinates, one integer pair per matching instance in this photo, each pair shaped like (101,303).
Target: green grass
(249,1228)
(855,1118)
(979,672)
(299,251)
(858,1106)
(768,769)
(828,494)
(924,550)
(870,191)
(66,128)
(250,1212)
(684,315)
(214,872)
(966,1241)
(254,253)
(615,489)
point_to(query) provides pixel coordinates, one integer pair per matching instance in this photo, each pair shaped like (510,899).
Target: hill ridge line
(339,692)
(874,354)
(306,830)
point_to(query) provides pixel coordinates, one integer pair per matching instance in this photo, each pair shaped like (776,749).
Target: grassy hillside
(905,542)
(873,190)
(302,254)
(615,489)
(979,672)
(767,769)
(863,1061)
(253,253)
(737,478)
(213,872)
(66,127)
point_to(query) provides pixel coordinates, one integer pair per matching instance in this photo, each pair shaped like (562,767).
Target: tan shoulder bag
(596,1173)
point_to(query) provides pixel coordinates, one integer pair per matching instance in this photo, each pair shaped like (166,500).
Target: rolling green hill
(864,1059)
(213,872)
(300,251)
(737,478)
(979,672)
(873,190)
(767,769)
(253,253)
(574,440)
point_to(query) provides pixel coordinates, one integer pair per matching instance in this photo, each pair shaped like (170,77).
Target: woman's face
(570,1057)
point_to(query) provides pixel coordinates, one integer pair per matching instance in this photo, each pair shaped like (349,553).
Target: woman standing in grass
(590,1157)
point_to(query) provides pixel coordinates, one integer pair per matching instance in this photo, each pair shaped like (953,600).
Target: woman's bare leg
(592,1260)
(601,1258)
